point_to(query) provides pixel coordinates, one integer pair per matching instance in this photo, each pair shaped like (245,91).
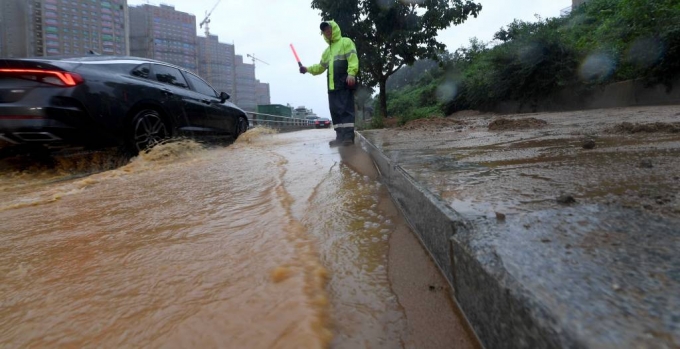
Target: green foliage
(668,68)
(377,121)
(361,125)
(532,63)
(414,102)
(600,42)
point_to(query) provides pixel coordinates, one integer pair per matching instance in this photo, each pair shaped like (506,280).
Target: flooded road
(276,241)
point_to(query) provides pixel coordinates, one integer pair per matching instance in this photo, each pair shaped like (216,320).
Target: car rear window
(169,75)
(142,71)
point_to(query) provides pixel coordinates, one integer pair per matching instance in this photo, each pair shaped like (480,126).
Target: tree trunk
(383,97)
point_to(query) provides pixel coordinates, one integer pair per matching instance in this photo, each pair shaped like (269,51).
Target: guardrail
(278,122)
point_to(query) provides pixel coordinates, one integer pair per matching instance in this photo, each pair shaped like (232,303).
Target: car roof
(96,59)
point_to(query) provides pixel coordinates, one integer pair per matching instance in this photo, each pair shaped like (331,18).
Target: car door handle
(206,101)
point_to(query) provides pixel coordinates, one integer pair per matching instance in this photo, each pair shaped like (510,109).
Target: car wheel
(148,129)
(242,126)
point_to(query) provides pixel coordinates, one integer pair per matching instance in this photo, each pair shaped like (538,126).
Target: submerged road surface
(276,241)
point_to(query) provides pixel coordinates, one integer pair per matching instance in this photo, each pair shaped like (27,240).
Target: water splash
(645,52)
(447,91)
(254,134)
(171,151)
(531,54)
(597,66)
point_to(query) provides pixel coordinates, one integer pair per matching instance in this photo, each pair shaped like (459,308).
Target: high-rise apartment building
(165,34)
(216,64)
(109,27)
(262,96)
(245,85)
(63,27)
(14,22)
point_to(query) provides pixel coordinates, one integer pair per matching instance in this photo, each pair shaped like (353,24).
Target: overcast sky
(266,28)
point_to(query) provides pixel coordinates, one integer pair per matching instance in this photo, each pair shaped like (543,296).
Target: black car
(98,101)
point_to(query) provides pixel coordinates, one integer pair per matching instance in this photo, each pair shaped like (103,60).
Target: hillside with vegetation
(601,42)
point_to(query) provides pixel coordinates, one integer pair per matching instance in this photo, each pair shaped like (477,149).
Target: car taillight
(52,77)
(316,122)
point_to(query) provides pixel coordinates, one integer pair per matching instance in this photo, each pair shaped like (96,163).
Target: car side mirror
(223,97)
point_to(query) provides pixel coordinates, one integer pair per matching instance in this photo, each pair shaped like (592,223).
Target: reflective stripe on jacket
(340,58)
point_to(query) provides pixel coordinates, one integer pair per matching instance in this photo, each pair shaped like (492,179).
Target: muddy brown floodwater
(276,241)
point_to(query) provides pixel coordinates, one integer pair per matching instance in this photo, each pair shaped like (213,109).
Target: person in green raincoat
(341,60)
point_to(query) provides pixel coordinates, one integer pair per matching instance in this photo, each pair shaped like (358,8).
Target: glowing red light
(68,79)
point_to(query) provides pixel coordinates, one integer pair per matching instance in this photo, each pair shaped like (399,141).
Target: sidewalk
(555,230)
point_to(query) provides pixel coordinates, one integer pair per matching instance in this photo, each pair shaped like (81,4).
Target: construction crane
(255,59)
(206,21)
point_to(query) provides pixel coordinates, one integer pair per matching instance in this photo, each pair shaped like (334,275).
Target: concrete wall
(621,94)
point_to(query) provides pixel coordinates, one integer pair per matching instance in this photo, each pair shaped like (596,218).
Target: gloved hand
(350,81)
(303,69)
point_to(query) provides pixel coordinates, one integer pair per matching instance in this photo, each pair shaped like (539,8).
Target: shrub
(600,42)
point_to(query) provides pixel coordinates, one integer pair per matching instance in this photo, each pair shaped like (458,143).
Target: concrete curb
(500,312)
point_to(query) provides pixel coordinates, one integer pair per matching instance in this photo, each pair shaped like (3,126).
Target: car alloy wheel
(242,126)
(148,129)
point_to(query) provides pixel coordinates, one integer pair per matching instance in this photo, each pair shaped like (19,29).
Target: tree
(411,74)
(389,34)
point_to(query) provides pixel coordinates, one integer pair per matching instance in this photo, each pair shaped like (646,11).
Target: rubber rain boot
(337,141)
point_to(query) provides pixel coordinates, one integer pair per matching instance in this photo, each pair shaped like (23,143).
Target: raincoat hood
(337,34)
(339,59)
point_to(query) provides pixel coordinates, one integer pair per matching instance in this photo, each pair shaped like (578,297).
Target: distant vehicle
(311,119)
(100,101)
(322,123)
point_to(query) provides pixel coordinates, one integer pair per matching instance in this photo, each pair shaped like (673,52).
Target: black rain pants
(341,103)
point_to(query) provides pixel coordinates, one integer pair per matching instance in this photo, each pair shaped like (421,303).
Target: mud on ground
(483,164)
(502,124)
(433,124)
(628,127)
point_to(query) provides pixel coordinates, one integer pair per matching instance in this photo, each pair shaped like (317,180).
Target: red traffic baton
(296,55)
